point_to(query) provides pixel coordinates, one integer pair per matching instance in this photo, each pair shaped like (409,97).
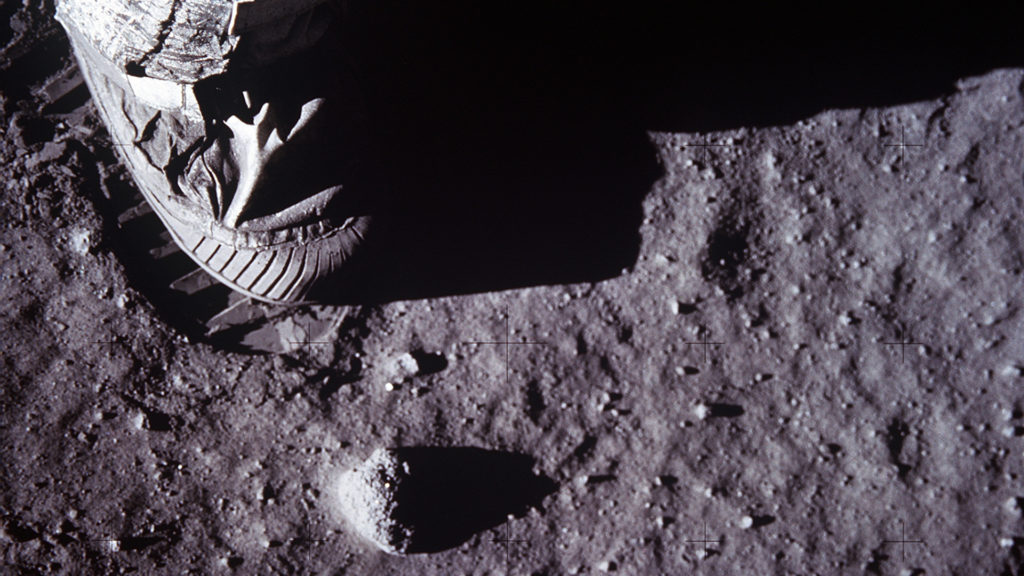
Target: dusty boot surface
(243,129)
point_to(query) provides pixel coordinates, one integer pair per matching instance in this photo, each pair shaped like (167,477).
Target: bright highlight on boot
(242,127)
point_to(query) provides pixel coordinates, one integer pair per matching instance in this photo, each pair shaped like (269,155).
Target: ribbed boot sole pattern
(278,274)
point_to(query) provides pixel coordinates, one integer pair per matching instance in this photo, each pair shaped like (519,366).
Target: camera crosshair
(507,343)
(903,541)
(705,540)
(508,541)
(902,342)
(306,342)
(707,144)
(903,145)
(704,342)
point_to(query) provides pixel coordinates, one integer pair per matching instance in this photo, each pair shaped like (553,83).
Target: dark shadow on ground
(508,165)
(454,493)
(513,136)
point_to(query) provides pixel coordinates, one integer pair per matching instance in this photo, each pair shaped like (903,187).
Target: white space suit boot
(239,122)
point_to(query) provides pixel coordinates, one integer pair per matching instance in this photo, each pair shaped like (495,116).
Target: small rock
(51,151)
(406,366)
(701,411)
(1012,506)
(113,545)
(1011,371)
(81,241)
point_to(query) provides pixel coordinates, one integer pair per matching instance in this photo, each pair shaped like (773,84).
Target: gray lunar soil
(816,355)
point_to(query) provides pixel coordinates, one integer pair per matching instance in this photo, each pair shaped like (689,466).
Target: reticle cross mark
(903,541)
(903,145)
(703,342)
(508,541)
(705,540)
(707,144)
(508,343)
(902,341)
(306,342)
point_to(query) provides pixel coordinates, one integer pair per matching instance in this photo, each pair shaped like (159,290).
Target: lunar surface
(657,293)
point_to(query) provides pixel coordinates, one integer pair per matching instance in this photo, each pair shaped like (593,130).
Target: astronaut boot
(240,123)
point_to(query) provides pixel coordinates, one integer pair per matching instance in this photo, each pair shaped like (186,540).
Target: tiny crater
(763,520)
(157,421)
(970,159)
(139,543)
(668,480)
(268,493)
(686,308)
(725,410)
(332,382)
(31,130)
(729,249)
(429,362)
(585,449)
(581,344)
(896,436)
(20,533)
(534,401)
